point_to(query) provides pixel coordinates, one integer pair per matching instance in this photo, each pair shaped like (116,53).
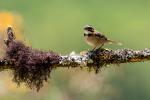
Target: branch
(33,67)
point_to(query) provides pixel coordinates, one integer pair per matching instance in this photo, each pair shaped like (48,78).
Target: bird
(96,39)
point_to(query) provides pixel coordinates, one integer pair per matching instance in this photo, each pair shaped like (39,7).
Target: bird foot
(94,52)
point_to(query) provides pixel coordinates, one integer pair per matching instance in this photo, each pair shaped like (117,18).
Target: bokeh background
(58,25)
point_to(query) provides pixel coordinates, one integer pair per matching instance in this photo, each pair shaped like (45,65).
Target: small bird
(95,38)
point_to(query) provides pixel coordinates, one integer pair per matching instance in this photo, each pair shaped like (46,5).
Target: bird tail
(113,42)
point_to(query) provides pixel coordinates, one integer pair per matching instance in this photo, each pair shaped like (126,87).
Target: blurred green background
(58,25)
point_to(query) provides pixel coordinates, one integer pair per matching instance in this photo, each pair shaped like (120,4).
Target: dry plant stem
(33,67)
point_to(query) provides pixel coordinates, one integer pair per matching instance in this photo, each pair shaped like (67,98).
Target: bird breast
(92,41)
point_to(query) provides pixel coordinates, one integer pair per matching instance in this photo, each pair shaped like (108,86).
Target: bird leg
(93,49)
(101,46)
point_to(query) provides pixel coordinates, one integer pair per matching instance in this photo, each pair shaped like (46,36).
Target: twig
(33,67)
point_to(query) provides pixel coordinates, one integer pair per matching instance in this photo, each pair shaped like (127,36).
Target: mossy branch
(33,67)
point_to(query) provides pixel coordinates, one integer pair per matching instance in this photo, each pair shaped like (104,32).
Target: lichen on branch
(33,67)
(30,66)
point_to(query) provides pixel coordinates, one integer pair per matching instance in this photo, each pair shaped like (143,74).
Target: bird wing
(100,36)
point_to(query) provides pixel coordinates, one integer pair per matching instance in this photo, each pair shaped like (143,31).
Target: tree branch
(33,67)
